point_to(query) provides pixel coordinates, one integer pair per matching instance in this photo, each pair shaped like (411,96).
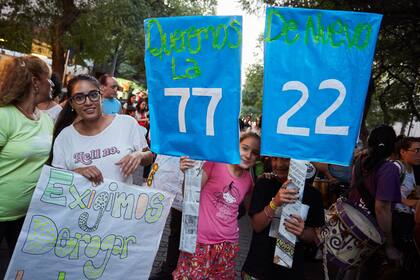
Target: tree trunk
(61,24)
(384,108)
(363,134)
(410,126)
(114,60)
(58,58)
(403,125)
(383,105)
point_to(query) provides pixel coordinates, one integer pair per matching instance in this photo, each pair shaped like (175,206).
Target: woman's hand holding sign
(130,162)
(92,173)
(186,163)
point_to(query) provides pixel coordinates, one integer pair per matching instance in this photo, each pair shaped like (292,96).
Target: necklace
(33,116)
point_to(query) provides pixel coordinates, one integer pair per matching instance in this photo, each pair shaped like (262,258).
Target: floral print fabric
(210,261)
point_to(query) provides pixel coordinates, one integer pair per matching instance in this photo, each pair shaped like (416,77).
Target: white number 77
(184,93)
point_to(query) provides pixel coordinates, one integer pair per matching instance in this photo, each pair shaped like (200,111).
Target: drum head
(362,222)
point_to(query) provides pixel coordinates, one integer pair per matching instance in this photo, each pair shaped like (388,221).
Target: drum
(350,235)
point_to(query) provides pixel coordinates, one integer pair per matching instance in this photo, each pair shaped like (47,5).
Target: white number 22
(320,123)
(184,93)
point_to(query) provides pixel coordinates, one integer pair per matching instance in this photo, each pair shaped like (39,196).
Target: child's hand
(285,195)
(268,175)
(186,163)
(295,225)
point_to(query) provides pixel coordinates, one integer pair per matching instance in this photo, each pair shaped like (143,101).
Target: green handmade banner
(74,230)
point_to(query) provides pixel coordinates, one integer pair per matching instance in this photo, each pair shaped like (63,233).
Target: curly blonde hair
(16,77)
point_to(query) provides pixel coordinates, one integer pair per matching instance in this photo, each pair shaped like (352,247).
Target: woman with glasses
(25,139)
(93,144)
(407,149)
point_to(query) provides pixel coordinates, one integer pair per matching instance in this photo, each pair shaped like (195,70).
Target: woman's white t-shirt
(121,137)
(53,112)
(407,187)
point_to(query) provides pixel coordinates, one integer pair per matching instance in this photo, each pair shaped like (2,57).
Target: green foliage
(108,32)
(252,91)
(112,28)
(193,7)
(16,25)
(396,69)
(118,40)
(119,33)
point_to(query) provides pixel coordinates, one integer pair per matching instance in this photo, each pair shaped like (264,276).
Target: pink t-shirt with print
(219,203)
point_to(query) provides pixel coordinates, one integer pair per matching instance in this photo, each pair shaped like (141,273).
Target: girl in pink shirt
(224,187)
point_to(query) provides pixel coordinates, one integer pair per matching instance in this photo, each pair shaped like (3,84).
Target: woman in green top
(25,138)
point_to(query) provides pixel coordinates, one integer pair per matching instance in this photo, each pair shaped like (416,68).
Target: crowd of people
(36,129)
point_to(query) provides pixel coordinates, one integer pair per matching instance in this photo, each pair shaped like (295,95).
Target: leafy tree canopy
(106,32)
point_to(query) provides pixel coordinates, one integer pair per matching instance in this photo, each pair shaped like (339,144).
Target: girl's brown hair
(248,134)
(16,77)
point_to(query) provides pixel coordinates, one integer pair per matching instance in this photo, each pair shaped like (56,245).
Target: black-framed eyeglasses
(415,150)
(80,98)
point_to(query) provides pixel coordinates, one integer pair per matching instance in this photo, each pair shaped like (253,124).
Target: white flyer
(166,175)
(285,243)
(192,189)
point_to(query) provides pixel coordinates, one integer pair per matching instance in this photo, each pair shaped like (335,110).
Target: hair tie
(22,63)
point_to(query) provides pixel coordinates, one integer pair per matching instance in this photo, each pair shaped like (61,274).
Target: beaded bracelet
(272,205)
(265,212)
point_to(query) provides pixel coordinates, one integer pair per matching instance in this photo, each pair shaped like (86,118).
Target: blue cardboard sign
(316,75)
(193,77)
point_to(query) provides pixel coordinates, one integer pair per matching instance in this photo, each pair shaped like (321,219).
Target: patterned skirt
(210,261)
